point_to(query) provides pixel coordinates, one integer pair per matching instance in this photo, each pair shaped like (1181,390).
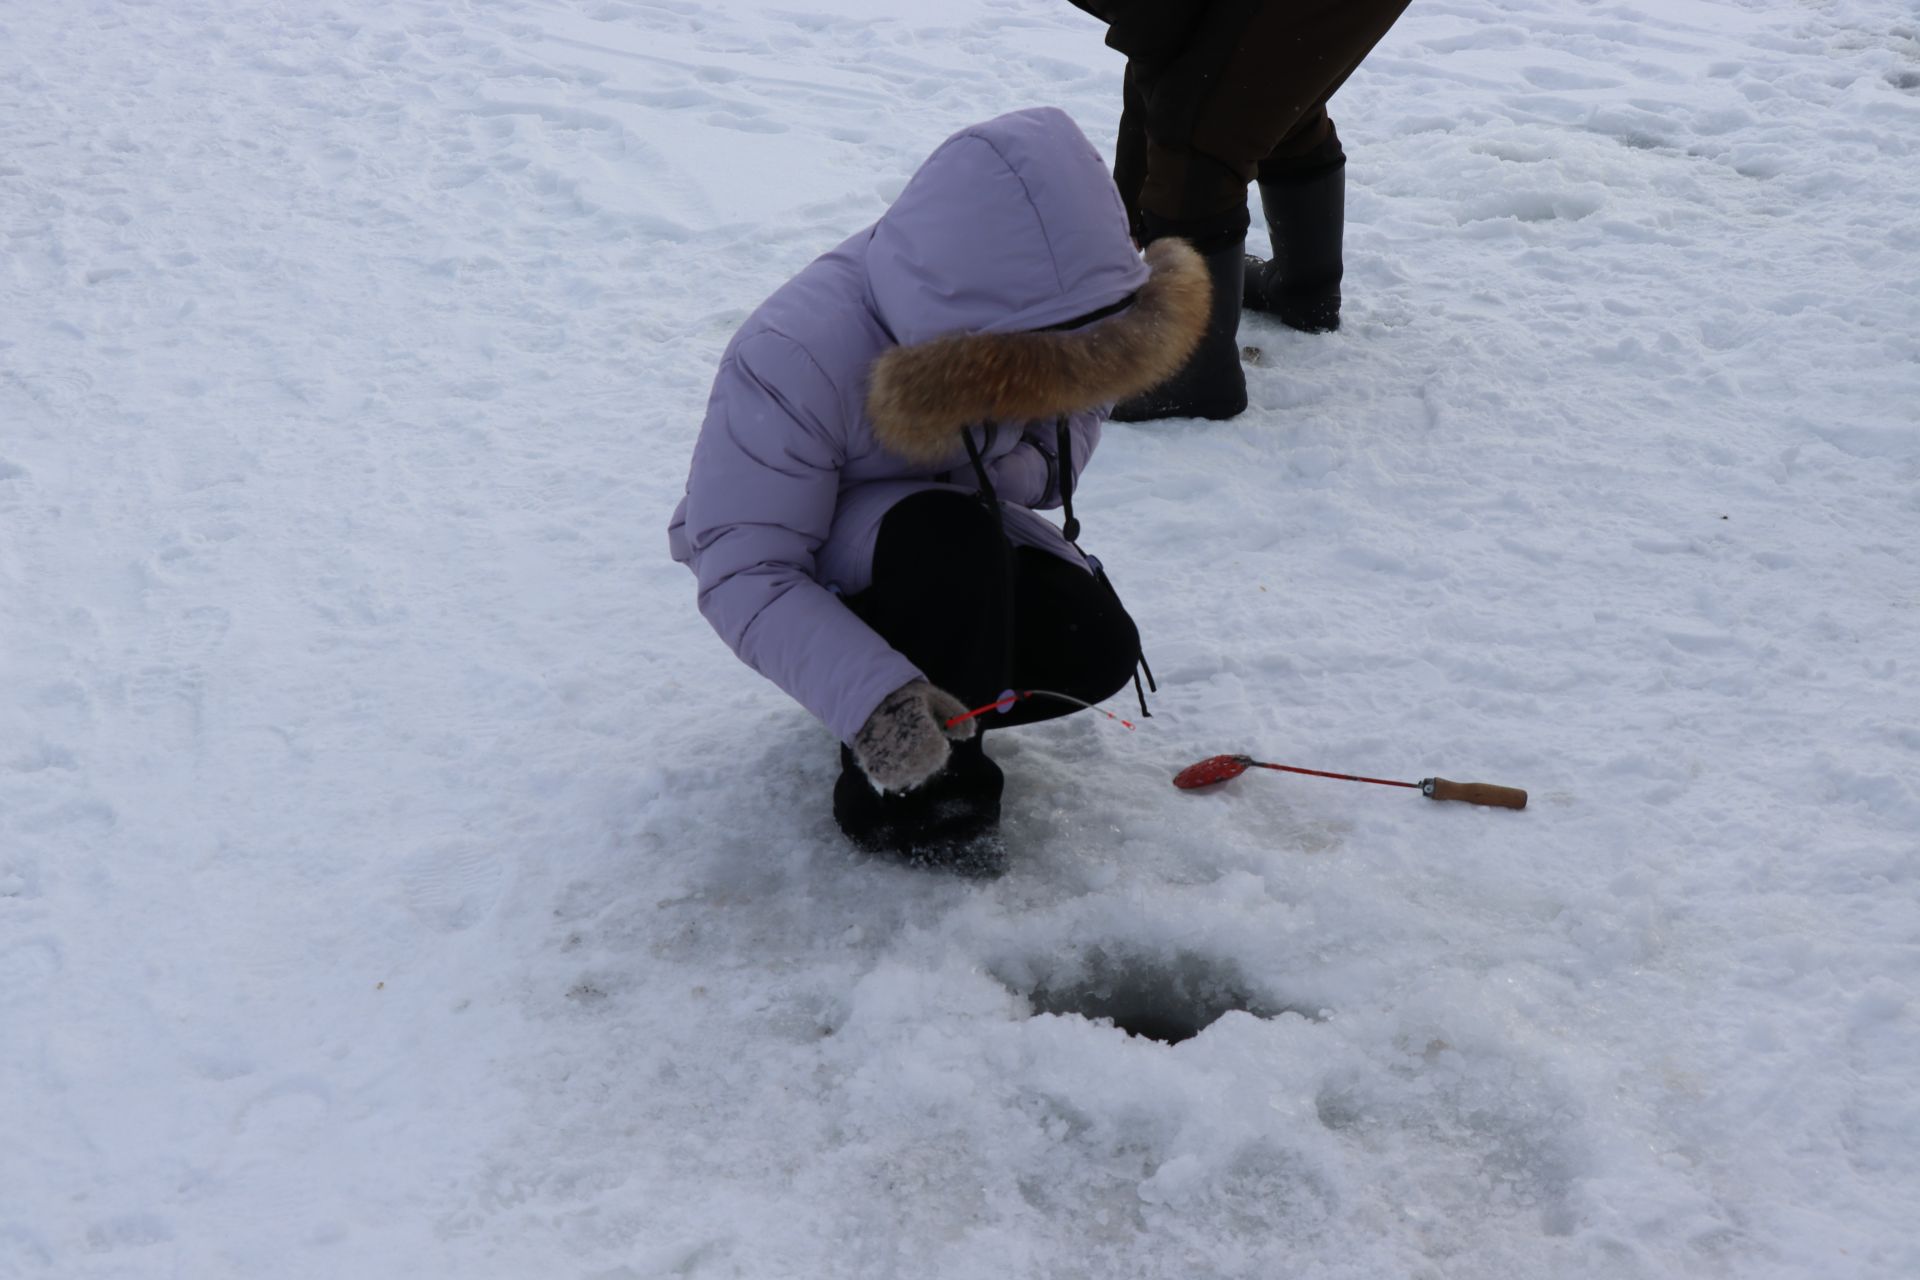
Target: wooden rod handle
(1474,793)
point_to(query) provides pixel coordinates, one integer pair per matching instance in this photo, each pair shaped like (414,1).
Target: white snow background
(398,879)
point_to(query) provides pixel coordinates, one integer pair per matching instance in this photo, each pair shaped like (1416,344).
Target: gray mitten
(904,741)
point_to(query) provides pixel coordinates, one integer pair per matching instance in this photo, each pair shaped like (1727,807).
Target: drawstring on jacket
(1063,461)
(1063,456)
(992,501)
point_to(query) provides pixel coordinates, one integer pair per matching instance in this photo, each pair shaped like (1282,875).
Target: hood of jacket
(1010,228)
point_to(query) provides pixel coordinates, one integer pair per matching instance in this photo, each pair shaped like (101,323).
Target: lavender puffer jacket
(849,388)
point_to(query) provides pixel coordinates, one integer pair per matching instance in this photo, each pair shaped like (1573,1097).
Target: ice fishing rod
(1006,700)
(1217,769)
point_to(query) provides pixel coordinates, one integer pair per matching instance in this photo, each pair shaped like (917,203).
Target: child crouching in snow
(860,513)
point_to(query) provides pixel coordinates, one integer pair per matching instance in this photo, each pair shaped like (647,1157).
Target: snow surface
(398,879)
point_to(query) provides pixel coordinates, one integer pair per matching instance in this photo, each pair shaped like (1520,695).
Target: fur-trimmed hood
(1010,228)
(919,396)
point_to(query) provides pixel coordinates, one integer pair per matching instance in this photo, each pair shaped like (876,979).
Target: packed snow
(398,879)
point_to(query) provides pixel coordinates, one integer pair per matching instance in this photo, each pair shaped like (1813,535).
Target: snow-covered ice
(398,879)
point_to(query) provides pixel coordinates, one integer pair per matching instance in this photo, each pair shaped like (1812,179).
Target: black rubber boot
(1306,217)
(1212,384)
(952,822)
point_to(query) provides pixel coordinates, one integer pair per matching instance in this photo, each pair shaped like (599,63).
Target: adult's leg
(1248,99)
(1211,384)
(1246,78)
(1268,88)
(1130,151)
(1303,200)
(1314,144)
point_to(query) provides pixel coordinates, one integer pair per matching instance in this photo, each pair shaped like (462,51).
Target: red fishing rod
(1217,769)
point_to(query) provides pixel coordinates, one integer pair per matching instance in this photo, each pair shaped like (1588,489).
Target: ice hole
(1164,998)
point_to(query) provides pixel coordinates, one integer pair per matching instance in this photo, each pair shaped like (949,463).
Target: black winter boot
(1306,217)
(951,822)
(1212,384)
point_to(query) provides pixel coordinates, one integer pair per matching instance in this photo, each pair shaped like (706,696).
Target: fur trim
(918,397)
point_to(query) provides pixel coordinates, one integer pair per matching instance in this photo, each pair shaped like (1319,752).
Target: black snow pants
(979,617)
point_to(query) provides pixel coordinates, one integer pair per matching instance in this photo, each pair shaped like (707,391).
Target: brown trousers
(1244,97)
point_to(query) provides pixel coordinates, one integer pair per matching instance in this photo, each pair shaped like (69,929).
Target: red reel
(1211,771)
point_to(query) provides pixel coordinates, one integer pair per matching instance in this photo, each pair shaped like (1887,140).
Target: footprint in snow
(453,887)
